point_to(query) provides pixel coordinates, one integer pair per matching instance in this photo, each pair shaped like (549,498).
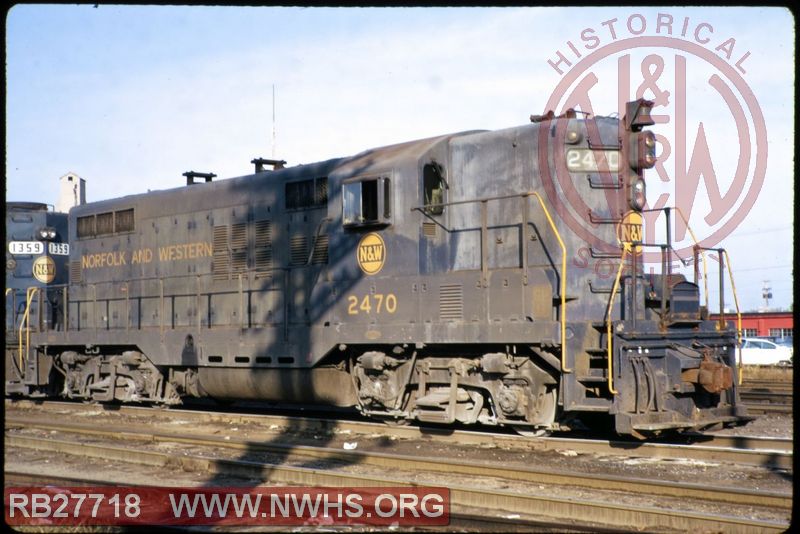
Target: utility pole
(766,293)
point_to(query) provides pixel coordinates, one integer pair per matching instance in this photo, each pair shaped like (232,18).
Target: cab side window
(367,201)
(433,186)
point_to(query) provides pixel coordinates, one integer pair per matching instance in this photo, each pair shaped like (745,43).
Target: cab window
(433,185)
(367,201)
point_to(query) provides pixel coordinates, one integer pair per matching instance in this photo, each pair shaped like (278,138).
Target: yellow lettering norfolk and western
(143,255)
(104,259)
(185,251)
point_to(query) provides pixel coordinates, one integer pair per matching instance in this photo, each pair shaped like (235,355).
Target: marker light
(638,197)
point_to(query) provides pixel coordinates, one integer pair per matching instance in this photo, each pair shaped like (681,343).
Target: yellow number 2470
(377,303)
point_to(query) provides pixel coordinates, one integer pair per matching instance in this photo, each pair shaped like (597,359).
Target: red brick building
(764,324)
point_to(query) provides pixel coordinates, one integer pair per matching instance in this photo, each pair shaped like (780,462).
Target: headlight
(47,233)
(573,136)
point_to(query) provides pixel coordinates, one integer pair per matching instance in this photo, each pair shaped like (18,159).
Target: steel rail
(780,383)
(463,497)
(784,397)
(772,452)
(763,408)
(436,465)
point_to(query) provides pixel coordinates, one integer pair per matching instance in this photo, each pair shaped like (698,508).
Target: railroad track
(759,451)
(768,397)
(464,498)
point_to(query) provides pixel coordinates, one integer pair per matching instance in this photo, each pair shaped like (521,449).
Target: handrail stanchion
(626,248)
(664,279)
(721,322)
(65,304)
(29,293)
(738,313)
(563,291)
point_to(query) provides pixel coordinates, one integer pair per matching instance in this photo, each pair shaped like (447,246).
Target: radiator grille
(320,255)
(75,272)
(451,302)
(298,252)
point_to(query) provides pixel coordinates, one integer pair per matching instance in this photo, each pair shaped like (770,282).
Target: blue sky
(129,97)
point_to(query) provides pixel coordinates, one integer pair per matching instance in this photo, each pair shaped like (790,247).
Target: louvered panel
(298,252)
(429,229)
(75,272)
(238,262)
(320,255)
(263,248)
(263,234)
(221,261)
(451,302)
(238,248)
(238,237)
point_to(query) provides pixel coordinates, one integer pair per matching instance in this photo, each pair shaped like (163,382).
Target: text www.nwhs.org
(252,506)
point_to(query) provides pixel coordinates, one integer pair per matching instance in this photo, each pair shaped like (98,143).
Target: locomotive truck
(431,281)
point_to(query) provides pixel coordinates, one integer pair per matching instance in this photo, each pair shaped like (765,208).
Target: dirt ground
(626,464)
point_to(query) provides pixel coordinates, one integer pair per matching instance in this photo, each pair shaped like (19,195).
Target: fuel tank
(325,385)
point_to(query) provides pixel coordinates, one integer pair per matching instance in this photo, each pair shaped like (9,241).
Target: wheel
(548,413)
(395,422)
(530,432)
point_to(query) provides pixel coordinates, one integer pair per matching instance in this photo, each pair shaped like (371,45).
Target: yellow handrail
(625,250)
(29,293)
(738,313)
(563,284)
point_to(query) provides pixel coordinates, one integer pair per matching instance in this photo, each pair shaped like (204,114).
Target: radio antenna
(273,121)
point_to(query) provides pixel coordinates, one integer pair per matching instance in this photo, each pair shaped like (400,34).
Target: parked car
(764,352)
(785,342)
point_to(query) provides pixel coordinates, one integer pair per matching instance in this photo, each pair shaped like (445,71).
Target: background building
(772,325)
